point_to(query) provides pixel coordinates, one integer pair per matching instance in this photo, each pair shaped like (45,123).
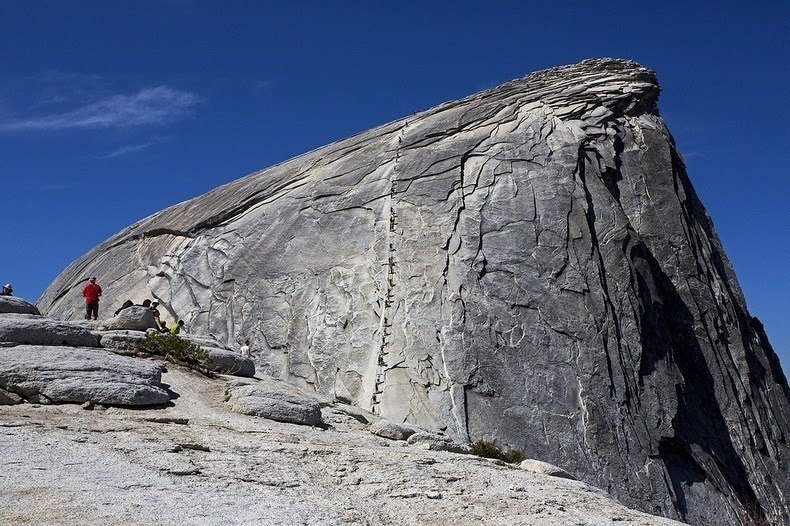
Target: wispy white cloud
(123,150)
(695,155)
(150,106)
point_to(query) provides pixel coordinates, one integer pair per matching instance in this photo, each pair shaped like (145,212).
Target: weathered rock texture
(136,318)
(529,265)
(195,463)
(273,402)
(536,466)
(35,330)
(72,375)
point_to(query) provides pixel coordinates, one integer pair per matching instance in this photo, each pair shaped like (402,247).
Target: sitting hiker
(175,329)
(7,290)
(159,324)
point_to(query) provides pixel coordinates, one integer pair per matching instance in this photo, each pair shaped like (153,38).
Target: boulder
(120,340)
(12,304)
(282,404)
(136,318)
(36,330)
(544,468)
(9,398)
(436,442)
(205,341)
(229,362)
(55,374)
(392,430)
(360,415)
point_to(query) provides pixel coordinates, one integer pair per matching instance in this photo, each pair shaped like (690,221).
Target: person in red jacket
(91,292)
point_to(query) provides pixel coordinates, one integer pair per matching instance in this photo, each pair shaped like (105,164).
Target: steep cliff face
(529,265)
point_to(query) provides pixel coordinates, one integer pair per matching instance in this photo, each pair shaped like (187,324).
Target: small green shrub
(173,348)
(483,448)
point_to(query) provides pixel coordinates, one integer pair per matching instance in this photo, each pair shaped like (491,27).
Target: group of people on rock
(161,325)
(92,291)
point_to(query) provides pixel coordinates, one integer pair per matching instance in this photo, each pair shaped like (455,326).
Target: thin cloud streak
(128,149)
(695,155)
(151,106)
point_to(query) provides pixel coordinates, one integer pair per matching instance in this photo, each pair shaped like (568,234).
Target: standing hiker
(246,352)
(91,292)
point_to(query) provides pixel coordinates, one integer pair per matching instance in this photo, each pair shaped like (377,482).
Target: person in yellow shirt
(176,328)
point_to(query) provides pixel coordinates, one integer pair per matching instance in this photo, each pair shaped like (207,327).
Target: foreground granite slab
(194,462)
(56,374)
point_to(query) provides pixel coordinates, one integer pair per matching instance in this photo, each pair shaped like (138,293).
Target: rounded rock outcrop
(14,305)
(36,330)
(229,362)
(135,318)
(282,403)
(57,374)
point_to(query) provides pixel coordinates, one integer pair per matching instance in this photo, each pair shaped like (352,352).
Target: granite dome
(529,265)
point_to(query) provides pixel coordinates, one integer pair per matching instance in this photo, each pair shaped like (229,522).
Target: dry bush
(483,448)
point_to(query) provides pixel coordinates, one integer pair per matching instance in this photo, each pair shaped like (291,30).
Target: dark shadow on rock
(158,407)
(773,360)
(701,448)
(683,468)
(173,394)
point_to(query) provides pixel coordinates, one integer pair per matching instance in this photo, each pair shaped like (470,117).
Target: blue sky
(110,111)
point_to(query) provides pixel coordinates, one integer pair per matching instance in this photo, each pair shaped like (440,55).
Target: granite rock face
(529,266)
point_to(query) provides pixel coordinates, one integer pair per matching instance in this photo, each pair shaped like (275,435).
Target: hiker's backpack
(126,305)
